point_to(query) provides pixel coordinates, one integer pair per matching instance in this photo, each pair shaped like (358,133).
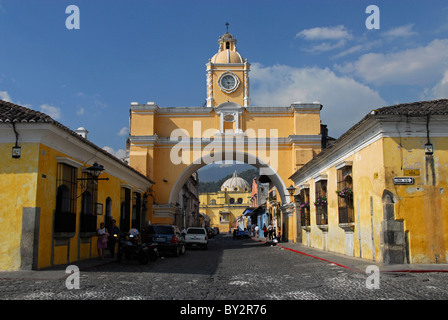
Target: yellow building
(51,205)
(225,208)
(382,188)
(168,144)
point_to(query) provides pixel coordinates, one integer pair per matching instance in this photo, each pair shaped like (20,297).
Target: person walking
(270,230)
(265,232)
(114,231)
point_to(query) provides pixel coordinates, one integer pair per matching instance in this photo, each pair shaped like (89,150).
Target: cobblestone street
(228,270)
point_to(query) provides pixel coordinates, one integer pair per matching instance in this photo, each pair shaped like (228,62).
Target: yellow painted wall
(365,184)
(142,123)
(18,182)
(421,206)
(306,123)
(30,182)
(253,123)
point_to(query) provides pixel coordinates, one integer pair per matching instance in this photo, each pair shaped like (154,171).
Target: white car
(196,236)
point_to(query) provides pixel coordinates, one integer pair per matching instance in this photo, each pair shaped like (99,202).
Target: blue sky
(142,51)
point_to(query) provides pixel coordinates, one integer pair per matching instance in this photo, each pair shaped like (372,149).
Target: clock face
(228,82)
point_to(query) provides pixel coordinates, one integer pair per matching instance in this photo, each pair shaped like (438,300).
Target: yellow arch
(265,169)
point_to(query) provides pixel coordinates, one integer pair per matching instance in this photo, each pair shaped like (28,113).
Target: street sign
(404,180)
(411,172)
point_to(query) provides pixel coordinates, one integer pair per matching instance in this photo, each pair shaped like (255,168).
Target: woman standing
(103,236)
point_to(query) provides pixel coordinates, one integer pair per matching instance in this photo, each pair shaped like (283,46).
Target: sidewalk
(56,272)
(353,263)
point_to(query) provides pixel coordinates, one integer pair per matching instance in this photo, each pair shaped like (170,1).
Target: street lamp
(291,190)
(94,172)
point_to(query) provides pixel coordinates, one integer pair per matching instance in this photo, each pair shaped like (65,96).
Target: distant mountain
(214,172)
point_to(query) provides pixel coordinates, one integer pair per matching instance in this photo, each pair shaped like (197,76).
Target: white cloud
(345,101)
(417,66)
(5,96)
(332,37)
(440,90)
(402,31)
(52,111)
(123,132)
(80,111)
(325,33)
(326,46)
(120,153)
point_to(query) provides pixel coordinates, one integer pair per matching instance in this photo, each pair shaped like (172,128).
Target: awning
(251,211)
(248,212)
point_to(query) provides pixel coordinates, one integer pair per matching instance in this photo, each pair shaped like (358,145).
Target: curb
(358,271)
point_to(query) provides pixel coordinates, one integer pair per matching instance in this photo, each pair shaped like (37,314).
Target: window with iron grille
(108,214)
(345,195)
(65,215)
(125,210)
(320,202)
(88,200)
(305,207)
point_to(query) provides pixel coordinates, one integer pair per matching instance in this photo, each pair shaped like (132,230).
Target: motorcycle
(130,247)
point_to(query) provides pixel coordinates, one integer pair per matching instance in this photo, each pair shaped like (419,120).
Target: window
(65,215)
(320,202)
(136,211)
(224,217)
(213,202)
(232,200)
(125,209)
(108,216)
(240,200)
(345,195)
(196,231)
(305,207)
(88,200)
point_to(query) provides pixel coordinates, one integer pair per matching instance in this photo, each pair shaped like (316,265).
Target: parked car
(168,237)
(196,236)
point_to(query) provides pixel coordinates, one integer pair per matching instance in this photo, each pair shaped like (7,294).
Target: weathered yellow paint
(18,182)
(421,206)
(30,182)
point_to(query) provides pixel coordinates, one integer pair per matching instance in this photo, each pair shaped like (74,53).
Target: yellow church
(225,208)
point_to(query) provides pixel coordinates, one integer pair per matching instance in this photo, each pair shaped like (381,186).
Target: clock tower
(227,75)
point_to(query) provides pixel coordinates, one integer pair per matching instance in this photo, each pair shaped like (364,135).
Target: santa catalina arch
(168,144)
